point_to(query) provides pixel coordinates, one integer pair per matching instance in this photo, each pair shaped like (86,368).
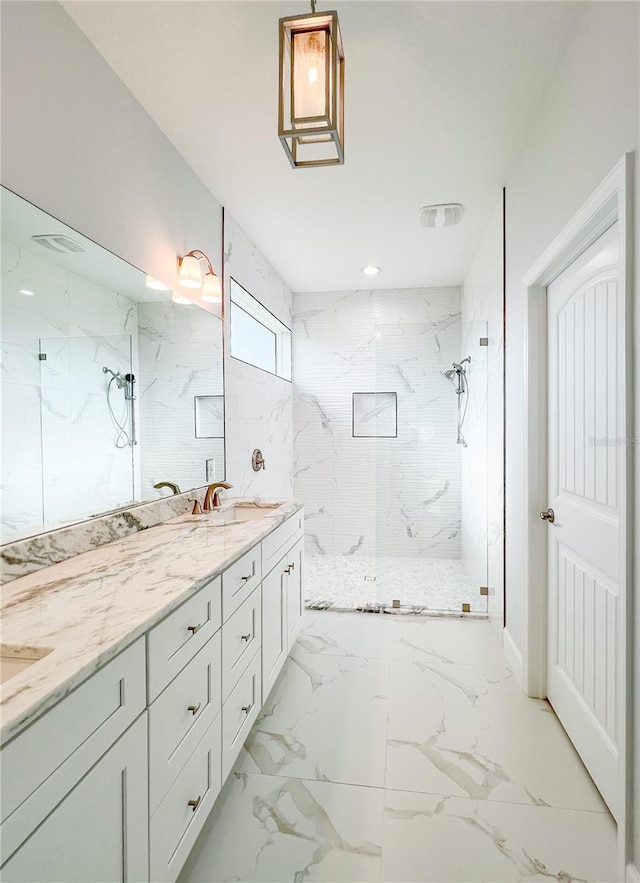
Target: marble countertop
(90,607)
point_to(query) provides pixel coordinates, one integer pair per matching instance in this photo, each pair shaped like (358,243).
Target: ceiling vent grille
(59,243)
(447,215)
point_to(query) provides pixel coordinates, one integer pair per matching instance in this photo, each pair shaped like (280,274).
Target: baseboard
(513,654)
(632,875)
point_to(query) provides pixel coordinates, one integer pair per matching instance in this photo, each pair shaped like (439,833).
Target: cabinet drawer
(241,638)
(280,540)
(181,715)
(239,712)
(177,639)
(239,580)
(175,824)
(44,762)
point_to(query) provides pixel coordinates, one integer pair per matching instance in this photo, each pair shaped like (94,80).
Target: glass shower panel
(474,467)
(87,462)
(430,482)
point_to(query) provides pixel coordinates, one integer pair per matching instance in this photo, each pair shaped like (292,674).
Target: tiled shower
(396,510)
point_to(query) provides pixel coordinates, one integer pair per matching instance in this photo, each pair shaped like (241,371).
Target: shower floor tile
(421,585)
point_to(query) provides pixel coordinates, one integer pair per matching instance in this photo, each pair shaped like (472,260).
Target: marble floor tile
(443,640)
(326,719)
(470,731)
(270,828)
(382,636)
(433,838)
(326,632)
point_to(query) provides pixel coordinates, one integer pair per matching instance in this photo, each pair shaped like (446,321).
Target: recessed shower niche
(108,386)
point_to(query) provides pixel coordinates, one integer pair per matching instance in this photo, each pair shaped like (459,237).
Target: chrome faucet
(212,497)
(174,487)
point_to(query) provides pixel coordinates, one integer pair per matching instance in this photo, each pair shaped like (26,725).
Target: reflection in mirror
(109,388)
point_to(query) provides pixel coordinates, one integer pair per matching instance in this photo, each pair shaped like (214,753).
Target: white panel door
(585,317)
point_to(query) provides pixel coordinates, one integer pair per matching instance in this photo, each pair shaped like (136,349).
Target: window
(257,337)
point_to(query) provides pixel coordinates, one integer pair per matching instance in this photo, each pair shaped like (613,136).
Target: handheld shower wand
(123,438)
(457,375)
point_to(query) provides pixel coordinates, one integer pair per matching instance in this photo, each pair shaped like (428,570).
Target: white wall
(483,472)
(588,120)
(258,405)
(76,143)
(378,496)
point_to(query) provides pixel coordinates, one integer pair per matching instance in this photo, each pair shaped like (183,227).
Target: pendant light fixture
(311,93)
(190,276)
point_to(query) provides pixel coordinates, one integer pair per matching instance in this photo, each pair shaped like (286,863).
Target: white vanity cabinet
(282,596)
(116,780)
(99,832)
(74,804)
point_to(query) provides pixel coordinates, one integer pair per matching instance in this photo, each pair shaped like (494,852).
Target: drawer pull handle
(194,628)
(194,804)
(247,708)
(246,637)
(194,709)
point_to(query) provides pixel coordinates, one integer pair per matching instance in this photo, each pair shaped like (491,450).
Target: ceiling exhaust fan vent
(446,215)
(59,243)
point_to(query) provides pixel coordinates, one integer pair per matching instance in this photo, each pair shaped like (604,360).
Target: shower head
(117,376)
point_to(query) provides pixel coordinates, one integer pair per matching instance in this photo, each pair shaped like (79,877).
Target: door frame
(610,202)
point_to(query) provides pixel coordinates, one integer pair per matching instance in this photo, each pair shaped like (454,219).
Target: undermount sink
(240,512)
(14,660)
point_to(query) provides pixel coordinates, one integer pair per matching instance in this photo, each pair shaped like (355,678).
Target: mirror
(108,387)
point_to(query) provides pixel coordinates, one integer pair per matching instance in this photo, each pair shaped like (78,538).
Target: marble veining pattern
(89,607)
(31,554)
(378,496)
(356,582)
(180,354)
(401,749)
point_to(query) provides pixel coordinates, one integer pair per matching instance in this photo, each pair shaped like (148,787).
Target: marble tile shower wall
(258,405)
(63,396)
(385,496)
(179,360)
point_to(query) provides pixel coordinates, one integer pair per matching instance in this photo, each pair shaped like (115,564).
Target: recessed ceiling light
(371,271)
(155,284)
(178,298)
(27,292)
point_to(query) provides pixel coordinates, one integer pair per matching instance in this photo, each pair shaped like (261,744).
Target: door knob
(548,515)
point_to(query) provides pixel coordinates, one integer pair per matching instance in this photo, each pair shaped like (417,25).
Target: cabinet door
(295,593)
(274,625)
(99,833)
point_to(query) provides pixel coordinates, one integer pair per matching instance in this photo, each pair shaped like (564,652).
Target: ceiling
(439,98)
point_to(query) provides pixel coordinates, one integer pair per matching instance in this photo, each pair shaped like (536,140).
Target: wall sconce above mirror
(190,276)
(109,386)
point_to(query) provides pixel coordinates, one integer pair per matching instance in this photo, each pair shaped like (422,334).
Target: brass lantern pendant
(311,97)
